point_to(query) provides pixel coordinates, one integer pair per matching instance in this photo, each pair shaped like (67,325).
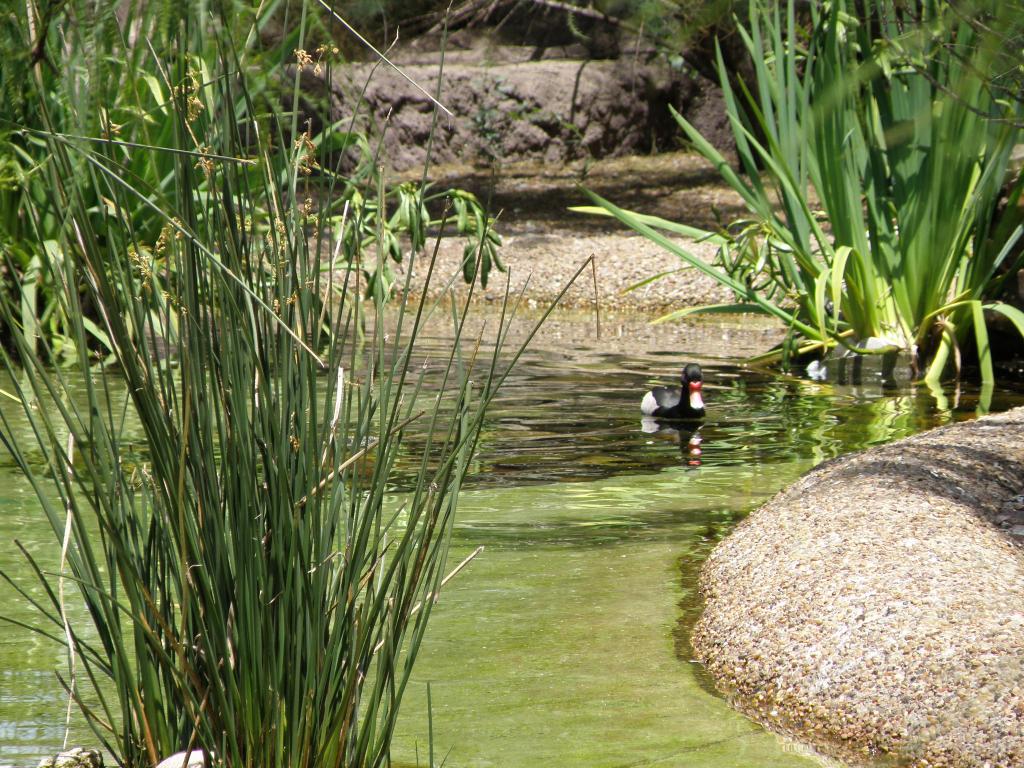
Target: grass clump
(875,142)
(224,491)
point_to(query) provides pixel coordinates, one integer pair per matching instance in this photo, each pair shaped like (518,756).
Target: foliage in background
(875,153)
(223,498)
(87,71)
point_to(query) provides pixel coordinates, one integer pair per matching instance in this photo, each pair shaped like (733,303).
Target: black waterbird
(679,403)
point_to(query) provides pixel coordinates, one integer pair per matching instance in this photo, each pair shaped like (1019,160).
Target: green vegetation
(221,493)
(876,156)
(110,87)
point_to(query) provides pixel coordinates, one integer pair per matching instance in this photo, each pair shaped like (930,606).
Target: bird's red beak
(696,401)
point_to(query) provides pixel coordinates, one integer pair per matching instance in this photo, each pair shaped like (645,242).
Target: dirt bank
(877,605)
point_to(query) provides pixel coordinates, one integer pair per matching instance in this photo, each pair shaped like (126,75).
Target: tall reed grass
(253,588)
(874,144)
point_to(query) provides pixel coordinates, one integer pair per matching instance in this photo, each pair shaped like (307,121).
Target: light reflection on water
(572,417)
(565,642)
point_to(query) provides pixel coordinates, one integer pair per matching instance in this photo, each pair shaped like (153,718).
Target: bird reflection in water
(688,435)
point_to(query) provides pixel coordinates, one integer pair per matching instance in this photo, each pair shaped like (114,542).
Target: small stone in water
(74,758)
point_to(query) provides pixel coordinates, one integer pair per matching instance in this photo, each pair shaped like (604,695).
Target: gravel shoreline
(545,243)
(877,605)
(543,263)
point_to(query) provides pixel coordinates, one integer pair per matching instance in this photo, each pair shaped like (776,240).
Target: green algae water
(565,642)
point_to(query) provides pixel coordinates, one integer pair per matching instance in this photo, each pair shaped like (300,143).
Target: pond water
(565,642)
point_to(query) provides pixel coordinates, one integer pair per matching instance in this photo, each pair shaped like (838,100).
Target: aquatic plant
(101,77)
(224,492)
(875,155)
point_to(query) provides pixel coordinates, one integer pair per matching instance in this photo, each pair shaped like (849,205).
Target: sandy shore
(545,243)
(877,605)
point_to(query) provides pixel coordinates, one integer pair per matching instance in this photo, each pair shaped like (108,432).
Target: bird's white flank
(648,405)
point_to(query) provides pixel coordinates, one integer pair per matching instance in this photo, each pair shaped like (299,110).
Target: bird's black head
(692,372)
(693,383)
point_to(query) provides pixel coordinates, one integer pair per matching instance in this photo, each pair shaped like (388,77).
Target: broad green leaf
(701,235)
(741,290)
(29,300)
(652,279)
(97,333)
(820,286)
(1010,312)
(981,338)
(838,275)
(712,309)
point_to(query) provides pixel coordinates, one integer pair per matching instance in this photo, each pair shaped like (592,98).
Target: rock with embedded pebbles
(876,605)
